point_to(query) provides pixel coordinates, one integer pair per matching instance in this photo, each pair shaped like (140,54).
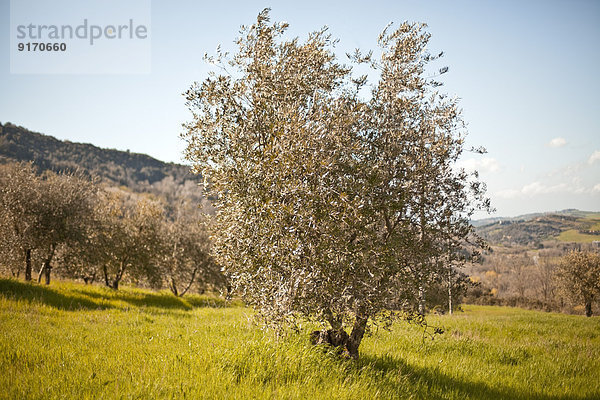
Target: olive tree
(67,209)
(186,258)
(43,212)
(20,202)
(329,205)
(579,277)
(126,239)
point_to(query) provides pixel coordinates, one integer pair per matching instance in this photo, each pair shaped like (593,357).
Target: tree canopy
(331,204)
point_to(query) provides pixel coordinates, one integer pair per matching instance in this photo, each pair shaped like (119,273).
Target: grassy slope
(589,221)
(71,341)
(573,235)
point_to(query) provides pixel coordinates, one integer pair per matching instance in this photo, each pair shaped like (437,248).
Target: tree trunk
(421,300)
(173,287)
(46,266)
(47,273)
(119,275)
(28,265)
(340,339)
(588,309)
(41,272)
(335,323)
(189,285)
(106,282)
(90,279)
(117,279)
(450,292)
(358,332)
(331,337)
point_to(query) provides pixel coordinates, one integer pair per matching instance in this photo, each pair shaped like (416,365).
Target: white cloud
(594,157)
(533,188)
(538,188)
(557,142)
(485,164)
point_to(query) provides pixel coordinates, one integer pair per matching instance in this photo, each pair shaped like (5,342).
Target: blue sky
(527,74)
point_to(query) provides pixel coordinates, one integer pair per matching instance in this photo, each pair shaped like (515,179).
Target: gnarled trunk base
(338,338)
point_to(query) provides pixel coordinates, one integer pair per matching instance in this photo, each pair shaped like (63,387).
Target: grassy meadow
(590,221)
(573,235)
(74,341)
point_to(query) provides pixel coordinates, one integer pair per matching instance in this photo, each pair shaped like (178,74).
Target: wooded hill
(114,167)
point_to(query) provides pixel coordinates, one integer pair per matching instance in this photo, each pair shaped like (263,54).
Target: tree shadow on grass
(74,299)
(156,300)
(33,293)
(434,384)
(211,302)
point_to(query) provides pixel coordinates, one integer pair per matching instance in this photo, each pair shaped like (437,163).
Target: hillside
(571,212)
(531,230)
(115,167)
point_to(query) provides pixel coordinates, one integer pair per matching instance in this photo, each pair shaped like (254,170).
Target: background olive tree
(67,211)
(70,224)
(20,205)
(329,205)
(185,258)
(126,241)
(579,277)
(41,213)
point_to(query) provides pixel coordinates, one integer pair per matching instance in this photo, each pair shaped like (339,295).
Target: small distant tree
(520,274)
(11,255)
(544,275)
(187,259)
(330,206)
(126,240)
(42,212)
(20,203)
(446,294)
(579,277)
(67,209)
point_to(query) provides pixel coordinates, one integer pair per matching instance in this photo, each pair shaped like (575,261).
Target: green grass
(592,215)
(595,222)
(573,235)
(77,342)
(590,221)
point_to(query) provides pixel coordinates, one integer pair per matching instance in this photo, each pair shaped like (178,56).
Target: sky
(526,72)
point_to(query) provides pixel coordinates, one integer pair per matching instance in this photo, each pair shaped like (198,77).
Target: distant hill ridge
(133,170)
(572,212)
(532,229)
